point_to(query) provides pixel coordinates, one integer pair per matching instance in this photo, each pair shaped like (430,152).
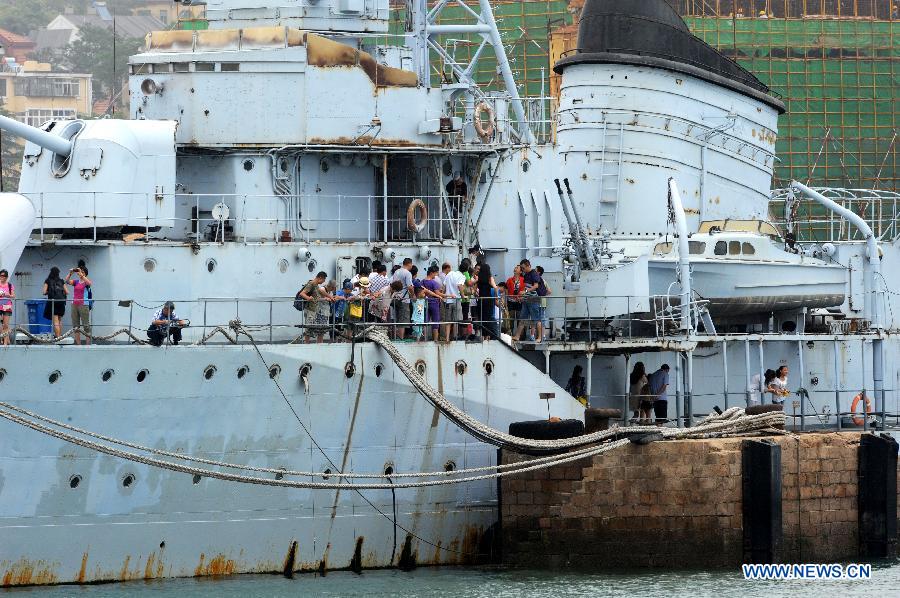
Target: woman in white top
(779,385)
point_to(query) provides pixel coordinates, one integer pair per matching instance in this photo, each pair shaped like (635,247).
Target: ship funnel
(54,143)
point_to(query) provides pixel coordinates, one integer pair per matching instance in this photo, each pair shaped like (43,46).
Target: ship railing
(565,320)
(806,409)
(247,218)
(540,117)
(812,224)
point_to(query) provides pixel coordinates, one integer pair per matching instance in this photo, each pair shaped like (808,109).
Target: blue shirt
(533,278)
(658,380)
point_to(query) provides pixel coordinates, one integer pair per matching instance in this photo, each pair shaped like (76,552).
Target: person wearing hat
(165,324)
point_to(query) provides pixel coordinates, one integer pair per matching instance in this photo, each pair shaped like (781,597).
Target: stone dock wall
(680,504)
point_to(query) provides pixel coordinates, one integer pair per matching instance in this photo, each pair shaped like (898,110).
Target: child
(418,315)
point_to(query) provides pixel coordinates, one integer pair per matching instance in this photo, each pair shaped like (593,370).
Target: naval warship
(298,136)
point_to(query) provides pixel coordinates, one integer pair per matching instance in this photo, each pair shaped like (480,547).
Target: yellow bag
(356,311)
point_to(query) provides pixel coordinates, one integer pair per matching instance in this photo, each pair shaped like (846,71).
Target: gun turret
(54,143)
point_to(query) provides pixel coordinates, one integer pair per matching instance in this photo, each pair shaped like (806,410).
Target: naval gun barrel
(54,143)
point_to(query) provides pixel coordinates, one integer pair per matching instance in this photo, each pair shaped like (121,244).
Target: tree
(11,149)
(94,52)
(24,17)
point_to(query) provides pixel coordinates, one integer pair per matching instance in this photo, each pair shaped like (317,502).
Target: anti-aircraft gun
(98,174)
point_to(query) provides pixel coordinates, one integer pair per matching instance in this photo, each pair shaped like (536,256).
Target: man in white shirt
(451,309)
(402,308)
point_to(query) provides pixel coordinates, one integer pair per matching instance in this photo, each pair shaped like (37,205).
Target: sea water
(495,582)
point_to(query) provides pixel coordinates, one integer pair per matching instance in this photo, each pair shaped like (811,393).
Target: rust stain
(323,52)
(288,568)
(81,571)
(154,566)
(369,140)
(218,565)
(123,574)
(25,572)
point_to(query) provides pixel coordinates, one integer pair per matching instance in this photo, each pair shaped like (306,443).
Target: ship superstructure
(297,136)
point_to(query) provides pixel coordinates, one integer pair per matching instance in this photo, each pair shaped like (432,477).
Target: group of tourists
(648,396)
(56,290)
(773,387)
(447,303)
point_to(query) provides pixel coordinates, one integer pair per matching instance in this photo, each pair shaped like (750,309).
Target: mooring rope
(733,420)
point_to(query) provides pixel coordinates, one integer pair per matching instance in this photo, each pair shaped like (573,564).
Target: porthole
(279,475)
(107,375)
(211,265)
(420,367)
(283,266)
(326,474)
(2,375)
(274,371)
(74,481)
(379,369)
(312,265)
(242,371)
(388,468)
(142,375)
(526,165)
(349,370)
(324,165)
(196,479)
(149,265)
(54,377)
(305,369)
(248,165)
(128,480)
(461,367)
(488,367)
(450,466)
(209,372)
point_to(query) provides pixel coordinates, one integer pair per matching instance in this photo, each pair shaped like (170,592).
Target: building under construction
(833,62)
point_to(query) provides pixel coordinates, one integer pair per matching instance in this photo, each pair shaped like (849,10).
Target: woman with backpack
(55,290)
(7,294)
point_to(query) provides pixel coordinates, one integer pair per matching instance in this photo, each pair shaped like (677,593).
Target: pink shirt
(78,288)
(5,302)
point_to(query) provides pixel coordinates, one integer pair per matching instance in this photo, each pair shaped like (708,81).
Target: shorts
(403,313)
(647,406)
(530,312)
(54,307)
(451,312)
(81,318)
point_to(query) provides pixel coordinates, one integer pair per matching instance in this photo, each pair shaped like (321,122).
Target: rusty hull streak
(323,52)
(371,141)
(83,569)
(25,573)
(218,565)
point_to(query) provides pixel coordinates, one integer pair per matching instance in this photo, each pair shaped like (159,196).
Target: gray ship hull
(167,524)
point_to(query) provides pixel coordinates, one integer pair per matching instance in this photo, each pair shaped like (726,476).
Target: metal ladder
(611,178)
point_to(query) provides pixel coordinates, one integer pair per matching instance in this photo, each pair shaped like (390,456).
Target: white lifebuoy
(485,130)
(417,216)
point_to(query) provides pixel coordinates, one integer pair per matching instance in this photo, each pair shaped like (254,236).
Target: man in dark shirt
(531,306)
(457,188)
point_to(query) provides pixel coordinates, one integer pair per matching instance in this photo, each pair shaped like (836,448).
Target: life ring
(485,130)
(859,421)
(416,216)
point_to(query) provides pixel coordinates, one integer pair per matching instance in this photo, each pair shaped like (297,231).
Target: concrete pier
(676,504)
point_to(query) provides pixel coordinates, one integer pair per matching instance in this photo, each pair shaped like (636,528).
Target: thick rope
(281,471)
(732,421)
(179,468)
